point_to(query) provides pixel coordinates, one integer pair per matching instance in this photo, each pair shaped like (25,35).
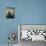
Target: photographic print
(10,12)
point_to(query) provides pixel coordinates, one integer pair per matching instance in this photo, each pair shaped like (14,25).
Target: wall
(6,25)
(31,11)
(27,12)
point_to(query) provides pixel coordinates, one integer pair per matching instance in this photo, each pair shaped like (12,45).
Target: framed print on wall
(32,32)
(10,12)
